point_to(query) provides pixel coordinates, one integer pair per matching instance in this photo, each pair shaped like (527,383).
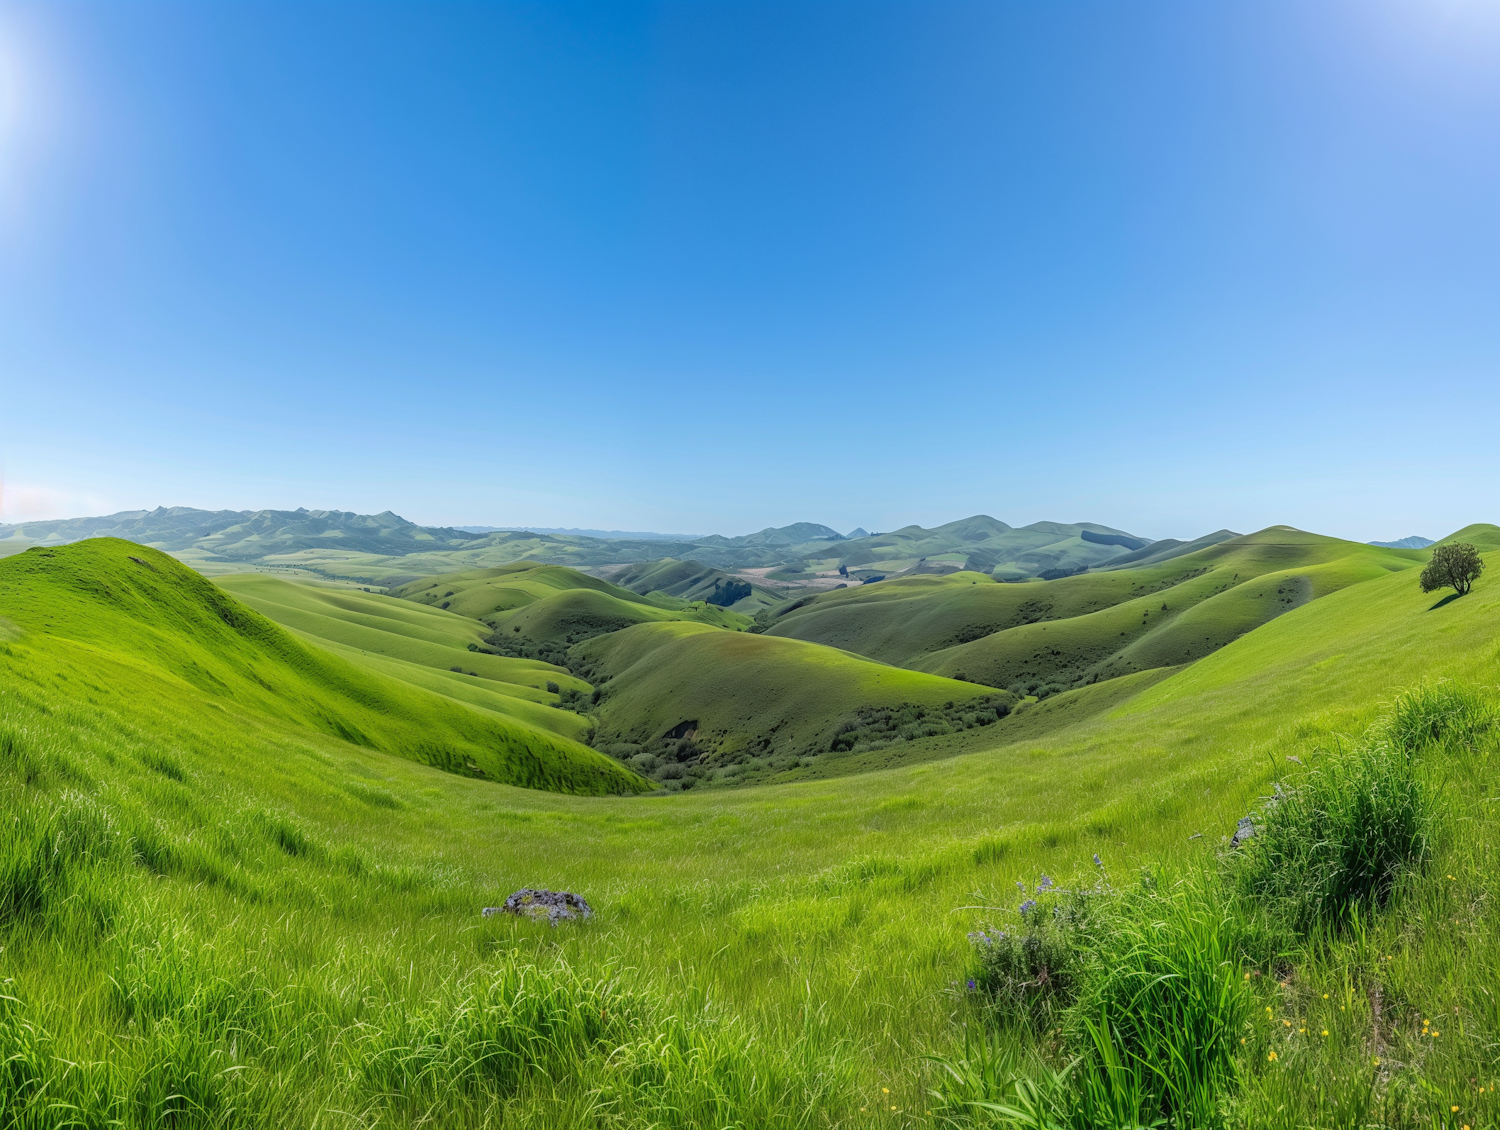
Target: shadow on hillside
(1449,599)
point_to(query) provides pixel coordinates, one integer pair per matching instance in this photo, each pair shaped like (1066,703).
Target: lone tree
(1452,566)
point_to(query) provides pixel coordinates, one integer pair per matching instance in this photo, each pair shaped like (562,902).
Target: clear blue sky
(720,265)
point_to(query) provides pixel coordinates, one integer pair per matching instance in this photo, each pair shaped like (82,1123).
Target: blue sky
(712,266)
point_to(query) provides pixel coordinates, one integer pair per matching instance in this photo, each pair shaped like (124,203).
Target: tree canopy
(1454,566)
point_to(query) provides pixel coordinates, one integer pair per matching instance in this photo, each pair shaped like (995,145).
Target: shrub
(1337,842)
(1442,713)
(1031,970)
(1148,987)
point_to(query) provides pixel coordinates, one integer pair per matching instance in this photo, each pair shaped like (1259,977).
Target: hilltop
(1048,637)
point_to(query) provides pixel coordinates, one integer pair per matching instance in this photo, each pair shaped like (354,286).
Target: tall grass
(1340,839)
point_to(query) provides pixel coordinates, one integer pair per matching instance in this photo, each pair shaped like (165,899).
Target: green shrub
(1439,714)
(1148,987)
(1030,971)
(1338,840)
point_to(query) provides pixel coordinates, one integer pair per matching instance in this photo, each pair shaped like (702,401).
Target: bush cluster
(875,727)
(1150,987)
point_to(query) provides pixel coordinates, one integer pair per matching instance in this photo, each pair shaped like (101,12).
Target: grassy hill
(540,611)
(160,629)
(737,706)
(212,916)
(386,549)
(425,647)
(1049,636)
(688,580)
(980,544)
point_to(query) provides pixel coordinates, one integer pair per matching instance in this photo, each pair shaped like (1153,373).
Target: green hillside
(1049,636)
(745,705)
(979,544)
(212,916)
(161,630)
(688,580)
(1484,536)
(425,647)
(539,611)
(428,637)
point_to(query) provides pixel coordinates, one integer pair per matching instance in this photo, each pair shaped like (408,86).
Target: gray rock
(1243,831)
(536,904)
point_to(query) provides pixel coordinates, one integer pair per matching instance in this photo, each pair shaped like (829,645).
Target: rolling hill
(539,611)
(688,580)
(386,549)
(738,706)
(426,647)
(121,619)
(214,915)
(1049,636)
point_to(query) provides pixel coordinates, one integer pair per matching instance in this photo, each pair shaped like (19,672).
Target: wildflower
(1028,906)
(1271,1057)
(1325,1031)
(971,984)
(1286,1023)
(1325,996)
(1242,1040)
(1020,886)
(885,1090)
(1435,1033)
(1453,1110)
(1377,1061)
(1097,861)
(1247,976)
(1045,884)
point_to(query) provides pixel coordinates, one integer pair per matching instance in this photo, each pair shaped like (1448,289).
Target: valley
(260,815)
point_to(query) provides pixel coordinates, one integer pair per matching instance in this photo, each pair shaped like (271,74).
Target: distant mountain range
(1413,542)
(383,547)
(613,535)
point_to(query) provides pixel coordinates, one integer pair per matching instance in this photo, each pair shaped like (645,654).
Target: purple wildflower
(1097,861)
(971,984)
(1045,884)
(1028,906)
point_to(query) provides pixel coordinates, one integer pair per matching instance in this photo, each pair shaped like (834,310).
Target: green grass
(282,927)
(753,704)
(688,580)
(119,620)
(1054,635)
(398,629)
(527,605)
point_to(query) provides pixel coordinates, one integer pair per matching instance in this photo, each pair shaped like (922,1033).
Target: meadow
(218,911)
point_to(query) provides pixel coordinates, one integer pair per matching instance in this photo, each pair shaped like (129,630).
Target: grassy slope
(746,693)
(427,637)
(1092,626)
(688,580)
(828,918)
(552,602)
(106,601)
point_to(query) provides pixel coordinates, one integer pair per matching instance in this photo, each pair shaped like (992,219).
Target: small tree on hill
(1453,566)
